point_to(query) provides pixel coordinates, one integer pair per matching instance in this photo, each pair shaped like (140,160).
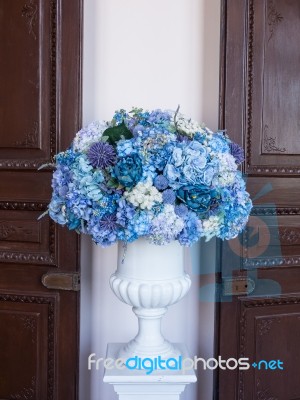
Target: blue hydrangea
(192,230)
(190,163)
(126,148)
(188,168)
(57,210)
(219,143)
(103,230)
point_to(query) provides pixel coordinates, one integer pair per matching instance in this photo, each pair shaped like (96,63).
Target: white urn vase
(150,278)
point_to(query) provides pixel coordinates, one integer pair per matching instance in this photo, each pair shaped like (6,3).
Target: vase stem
(149,341)
(149,325)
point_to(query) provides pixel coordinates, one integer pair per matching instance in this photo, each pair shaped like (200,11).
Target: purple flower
(169,196)
(101,155)
(182,138)
(237,152)
(108,222)
(161,182)
(138,128)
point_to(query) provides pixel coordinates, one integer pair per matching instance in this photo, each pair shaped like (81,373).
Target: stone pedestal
(137,385)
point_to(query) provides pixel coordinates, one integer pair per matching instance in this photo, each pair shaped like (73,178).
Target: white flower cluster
(189,127)
(144,195)
(89,135)
(227,170)
(211,226)
(166,226)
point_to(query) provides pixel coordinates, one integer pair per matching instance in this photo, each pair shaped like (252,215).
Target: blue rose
(199,198)
(129,170)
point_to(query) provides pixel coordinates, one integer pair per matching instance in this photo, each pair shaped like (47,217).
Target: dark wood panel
(26,239)
(269,330)
(272,137)
(40,111)
(277,192)
(27,332)
(25,186)
(260,93)
(28,101)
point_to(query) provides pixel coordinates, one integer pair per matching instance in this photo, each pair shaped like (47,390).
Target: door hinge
(237,286)
(62,281)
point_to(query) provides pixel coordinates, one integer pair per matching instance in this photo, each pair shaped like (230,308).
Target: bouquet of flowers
(154,174)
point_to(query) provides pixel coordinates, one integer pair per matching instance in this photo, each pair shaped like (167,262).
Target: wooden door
(40,98)
(259,313)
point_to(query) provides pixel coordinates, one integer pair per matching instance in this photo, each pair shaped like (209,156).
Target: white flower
(227,170)
(144,195)
(189,127)
(89,135)
(211,226)
(166,226)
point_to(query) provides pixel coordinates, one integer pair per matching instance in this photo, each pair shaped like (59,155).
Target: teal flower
(129,170)
(199,198)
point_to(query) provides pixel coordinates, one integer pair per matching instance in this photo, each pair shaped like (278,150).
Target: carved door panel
(40,74)
(259,311)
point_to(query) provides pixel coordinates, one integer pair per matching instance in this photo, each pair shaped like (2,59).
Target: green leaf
(135,111)
(115,133)
(112,183)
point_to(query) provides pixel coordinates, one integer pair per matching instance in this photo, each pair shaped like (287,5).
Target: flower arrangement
(157,174)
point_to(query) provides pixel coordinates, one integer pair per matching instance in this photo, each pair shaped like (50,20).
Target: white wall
(153,54)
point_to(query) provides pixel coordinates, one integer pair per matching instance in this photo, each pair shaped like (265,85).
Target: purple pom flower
(161,182)
(182,138)
(237,152)
(181,210)
(108,222)
(169,196)
(101,155)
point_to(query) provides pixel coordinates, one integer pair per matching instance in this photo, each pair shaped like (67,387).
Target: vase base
(134,349)
(137,384)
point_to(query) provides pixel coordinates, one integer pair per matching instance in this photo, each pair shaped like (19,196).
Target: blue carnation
(129,170)
(199,198)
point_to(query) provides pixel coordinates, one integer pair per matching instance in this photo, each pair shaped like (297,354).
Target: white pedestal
(137,385)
